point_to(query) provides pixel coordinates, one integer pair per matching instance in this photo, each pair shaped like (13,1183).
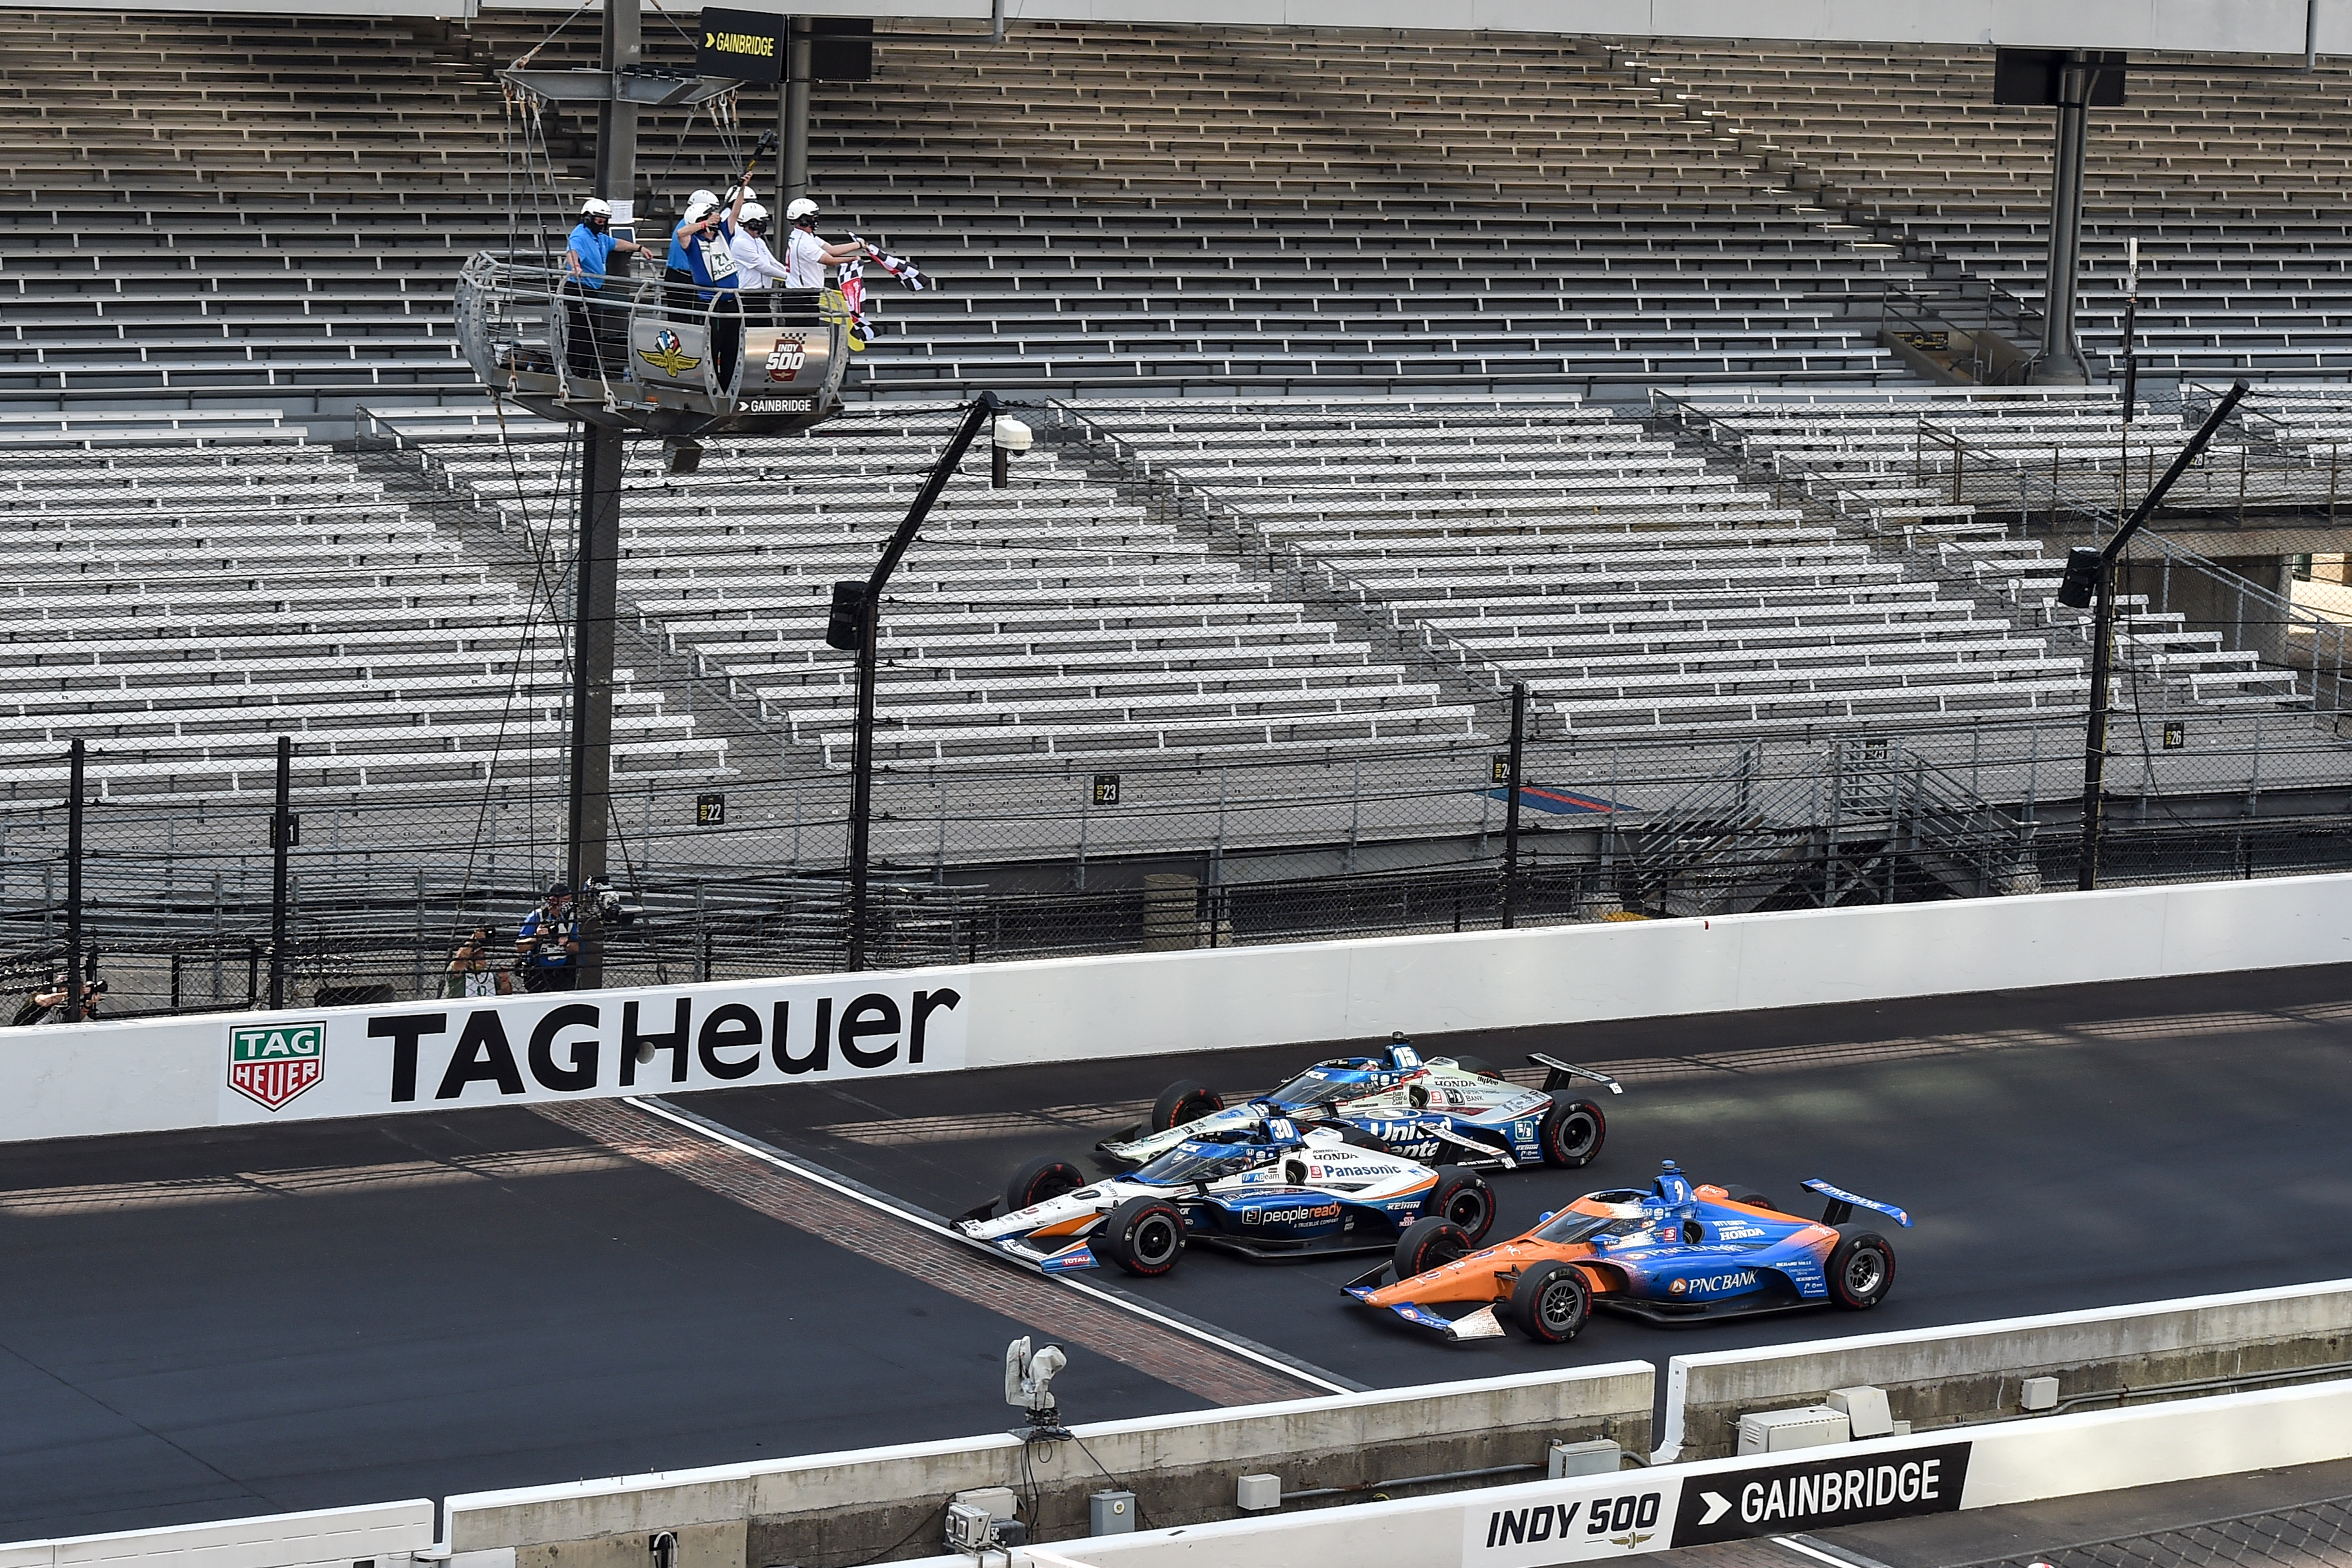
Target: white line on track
(702,1129)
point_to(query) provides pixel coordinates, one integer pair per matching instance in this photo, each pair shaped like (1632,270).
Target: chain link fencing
(1202,673)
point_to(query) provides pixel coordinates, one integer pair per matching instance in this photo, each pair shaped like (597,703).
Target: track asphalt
(199,1326)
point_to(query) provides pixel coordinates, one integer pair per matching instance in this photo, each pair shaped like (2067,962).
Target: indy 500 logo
(784,361)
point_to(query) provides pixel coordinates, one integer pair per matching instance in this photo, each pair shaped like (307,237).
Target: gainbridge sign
(1657,1510)
(746,45)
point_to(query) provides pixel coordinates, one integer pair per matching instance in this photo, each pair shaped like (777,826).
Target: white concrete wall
(87,1079)
(328,1538)
(2062,1456)
(1249,1437)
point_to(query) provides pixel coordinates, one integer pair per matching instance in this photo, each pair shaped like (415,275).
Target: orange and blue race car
(1672,1253)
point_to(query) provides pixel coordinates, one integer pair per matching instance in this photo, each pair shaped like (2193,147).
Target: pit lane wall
(390,1534)
(857,1507)
(1543,1523)
(304,1063)
(1975,1372)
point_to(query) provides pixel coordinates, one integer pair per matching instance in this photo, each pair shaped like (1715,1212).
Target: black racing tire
(1144,1236)
(1478,1064)
(1429,1244)
(1183,1101)
(1572,1132)
(1861,1271)
(1759,1201)
(1464,1198)
(1042,1178)
(1552,1302)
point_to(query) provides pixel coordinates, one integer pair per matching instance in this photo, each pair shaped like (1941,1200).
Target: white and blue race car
(1452,1109)
(1271,1189)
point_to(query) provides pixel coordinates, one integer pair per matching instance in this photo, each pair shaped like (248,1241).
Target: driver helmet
(801,211)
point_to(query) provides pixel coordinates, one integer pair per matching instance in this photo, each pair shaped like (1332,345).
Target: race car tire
(1759,1201)
(1478,1064)
(1429,1244)
(1144,1236)
(1183,1101)
(1572,1131)
(1861,1271)
(1042,1178)
(1464,1198)
(1552,1302)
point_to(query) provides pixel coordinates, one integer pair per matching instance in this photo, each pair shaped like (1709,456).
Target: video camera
(606,904)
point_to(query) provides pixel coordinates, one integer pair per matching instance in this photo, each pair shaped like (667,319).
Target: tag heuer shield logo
(270,1064)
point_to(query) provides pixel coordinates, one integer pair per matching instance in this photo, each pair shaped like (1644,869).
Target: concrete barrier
(383,1535)
(1974,1372)
(88,1080)
(834,1508)
(1544,1523)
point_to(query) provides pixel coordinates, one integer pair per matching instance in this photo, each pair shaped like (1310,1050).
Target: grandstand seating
(180,599)
(1633,590)
(2229,181)
(1145,208)
(1049,620)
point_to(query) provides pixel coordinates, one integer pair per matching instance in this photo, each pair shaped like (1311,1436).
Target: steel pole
(861,766)
(616,122)
(2094,742)
(74,788)
(2058,361)
(799,52)
(1511,806)
(281,835)
(596,568)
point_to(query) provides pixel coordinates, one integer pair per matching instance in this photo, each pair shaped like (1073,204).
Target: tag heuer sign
(270,1064)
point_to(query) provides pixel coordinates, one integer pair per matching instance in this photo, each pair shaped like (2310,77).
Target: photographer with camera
(470,972)
(51,1006)
(547,943)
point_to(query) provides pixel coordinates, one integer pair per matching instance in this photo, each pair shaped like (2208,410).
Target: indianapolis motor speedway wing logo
(270,1064)
(668,355)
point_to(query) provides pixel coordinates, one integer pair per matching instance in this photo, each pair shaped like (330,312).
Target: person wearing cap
(708,234)
(588,256)
(758,266)
(547,943)
(805,256)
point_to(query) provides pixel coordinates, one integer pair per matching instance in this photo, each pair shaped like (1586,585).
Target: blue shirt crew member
(547,943)
(708,233)
(681,260)
(588,256)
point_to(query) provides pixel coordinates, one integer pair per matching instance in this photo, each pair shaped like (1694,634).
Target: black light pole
(281,833)
(2131,334)
(2090,583)
(1511,809)
(856,620)
(73,881)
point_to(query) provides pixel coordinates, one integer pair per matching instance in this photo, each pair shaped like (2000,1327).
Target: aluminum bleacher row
(217,202)
(2232,183)
(1048,620)
(1877,461)
(183,592)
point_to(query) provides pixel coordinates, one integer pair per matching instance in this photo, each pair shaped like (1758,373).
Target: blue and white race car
(1272,1189)
(1452,1109)
(1677,1253)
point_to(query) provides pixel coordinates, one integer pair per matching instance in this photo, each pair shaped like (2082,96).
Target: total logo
(1712,1284)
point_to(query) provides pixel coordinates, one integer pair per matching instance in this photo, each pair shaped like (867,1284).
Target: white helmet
(596,207)
(754,213)
(801,207)
(695,212)
(702,198)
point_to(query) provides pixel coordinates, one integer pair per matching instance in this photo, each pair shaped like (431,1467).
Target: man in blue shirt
(589,256)
(547,943)
(707,235)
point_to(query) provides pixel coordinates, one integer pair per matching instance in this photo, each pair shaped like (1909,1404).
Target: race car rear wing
(1559,1073)
(1843,1203)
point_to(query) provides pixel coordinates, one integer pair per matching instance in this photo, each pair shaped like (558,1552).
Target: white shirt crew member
(754,262)
(805,253)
